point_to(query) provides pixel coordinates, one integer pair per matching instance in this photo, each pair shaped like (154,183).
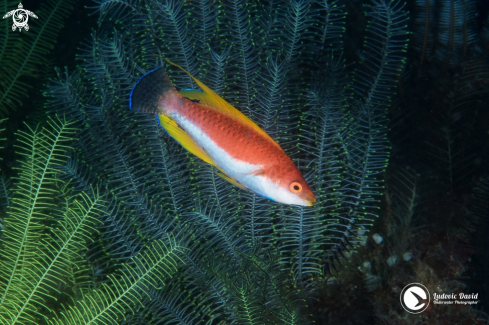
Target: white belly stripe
(235,168)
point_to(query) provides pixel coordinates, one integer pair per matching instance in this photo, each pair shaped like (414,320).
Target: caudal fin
(149,90)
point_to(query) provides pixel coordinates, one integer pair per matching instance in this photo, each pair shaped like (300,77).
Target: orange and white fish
(216,132)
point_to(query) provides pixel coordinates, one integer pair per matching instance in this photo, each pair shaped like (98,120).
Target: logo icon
(20,17)
(415,298)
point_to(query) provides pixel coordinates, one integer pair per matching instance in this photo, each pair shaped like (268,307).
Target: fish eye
(295,187)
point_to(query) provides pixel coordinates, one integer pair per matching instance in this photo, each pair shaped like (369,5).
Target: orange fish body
(219,134)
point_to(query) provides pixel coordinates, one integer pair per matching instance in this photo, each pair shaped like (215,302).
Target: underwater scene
(244,162)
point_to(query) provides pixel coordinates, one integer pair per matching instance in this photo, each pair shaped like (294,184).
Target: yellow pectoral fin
(184,138)
(210,98)
(231,180)
(193,94)
(202,97)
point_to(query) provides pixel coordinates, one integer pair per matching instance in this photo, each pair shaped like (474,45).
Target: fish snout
(309,198)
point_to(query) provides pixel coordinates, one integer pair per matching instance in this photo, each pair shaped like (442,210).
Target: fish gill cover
(147,210)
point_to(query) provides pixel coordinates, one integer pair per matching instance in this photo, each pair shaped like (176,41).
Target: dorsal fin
(210,98)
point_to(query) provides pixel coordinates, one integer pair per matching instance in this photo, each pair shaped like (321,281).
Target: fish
(212,129)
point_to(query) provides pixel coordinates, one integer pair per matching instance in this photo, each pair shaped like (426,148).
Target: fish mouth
(310,200)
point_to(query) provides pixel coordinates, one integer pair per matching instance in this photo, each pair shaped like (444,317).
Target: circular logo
(20,17)
(415,298)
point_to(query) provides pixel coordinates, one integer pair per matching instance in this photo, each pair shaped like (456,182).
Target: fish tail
(150,91)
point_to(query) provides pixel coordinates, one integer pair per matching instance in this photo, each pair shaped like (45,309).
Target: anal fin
(184,139)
